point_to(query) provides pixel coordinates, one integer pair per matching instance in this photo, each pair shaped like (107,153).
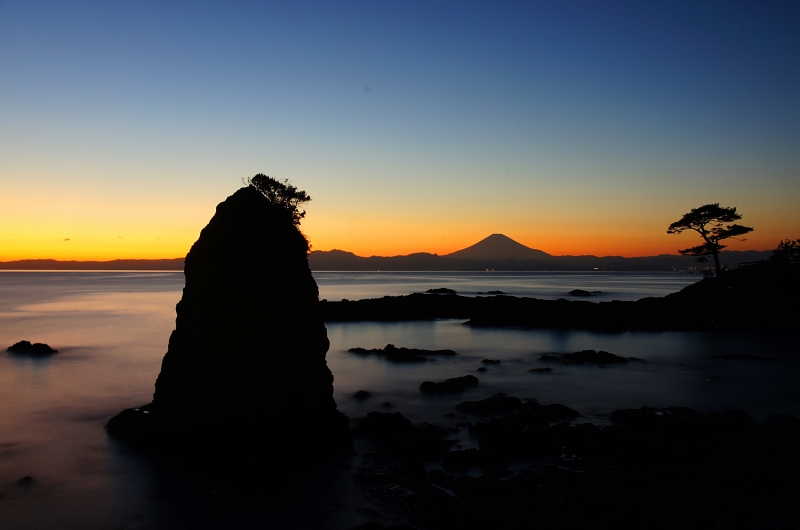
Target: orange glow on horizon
(101,249)
(91,243)
(82,228)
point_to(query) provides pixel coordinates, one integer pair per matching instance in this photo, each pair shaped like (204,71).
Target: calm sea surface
(111,330)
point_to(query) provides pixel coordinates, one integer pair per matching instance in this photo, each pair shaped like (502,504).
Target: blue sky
(575,127)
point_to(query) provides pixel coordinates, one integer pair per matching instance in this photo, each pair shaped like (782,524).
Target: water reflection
(111,330)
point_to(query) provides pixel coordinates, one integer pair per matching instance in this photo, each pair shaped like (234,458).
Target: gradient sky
(572,127)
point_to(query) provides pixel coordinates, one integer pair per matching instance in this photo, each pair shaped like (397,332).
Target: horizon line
(446,256)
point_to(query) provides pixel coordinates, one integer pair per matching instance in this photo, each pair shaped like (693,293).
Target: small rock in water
(482,369)
(401,355)
(37,348)
(362,394)
(27,480)
(490,361)
(386,405)
(541,370)
(453,385)
(585,356)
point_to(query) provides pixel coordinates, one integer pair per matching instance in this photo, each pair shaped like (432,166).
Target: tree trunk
(716,263)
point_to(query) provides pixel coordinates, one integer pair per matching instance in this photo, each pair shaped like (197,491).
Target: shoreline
(752,299)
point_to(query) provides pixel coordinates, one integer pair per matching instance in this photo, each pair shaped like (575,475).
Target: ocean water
(550,285)
(111,330)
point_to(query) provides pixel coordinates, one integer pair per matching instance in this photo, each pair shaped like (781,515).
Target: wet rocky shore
(536,467)
(759,298)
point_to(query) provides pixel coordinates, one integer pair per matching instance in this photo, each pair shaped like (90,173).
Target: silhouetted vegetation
(787,252)
(709,221)
(281,193)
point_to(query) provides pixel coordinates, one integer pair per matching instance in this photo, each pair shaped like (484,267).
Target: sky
(571,127)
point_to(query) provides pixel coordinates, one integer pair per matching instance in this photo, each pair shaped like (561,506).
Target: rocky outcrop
(758,298)
(35,349)
(245,374)
(401,355)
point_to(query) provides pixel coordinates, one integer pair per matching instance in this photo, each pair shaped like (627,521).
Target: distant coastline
(175,264)
(330,261)
(494,253)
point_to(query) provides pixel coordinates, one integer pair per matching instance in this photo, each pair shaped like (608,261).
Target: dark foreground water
(111,330)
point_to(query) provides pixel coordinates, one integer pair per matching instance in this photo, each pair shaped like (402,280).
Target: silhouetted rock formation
(245,377)
(36,349)
(753,298)
(401,355)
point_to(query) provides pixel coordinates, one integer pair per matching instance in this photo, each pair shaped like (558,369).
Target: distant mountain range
(501,253)
(496,252)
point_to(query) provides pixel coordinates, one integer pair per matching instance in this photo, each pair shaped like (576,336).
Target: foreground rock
(652,468)
(244,385)
(402,355)
(35,349)
(396,438)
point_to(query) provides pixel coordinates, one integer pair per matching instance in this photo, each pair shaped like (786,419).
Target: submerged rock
(37,348)
(585,356)
(454,385)
(401,355)
(245,377)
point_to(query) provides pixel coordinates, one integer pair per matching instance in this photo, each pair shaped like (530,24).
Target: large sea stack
(245,376)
